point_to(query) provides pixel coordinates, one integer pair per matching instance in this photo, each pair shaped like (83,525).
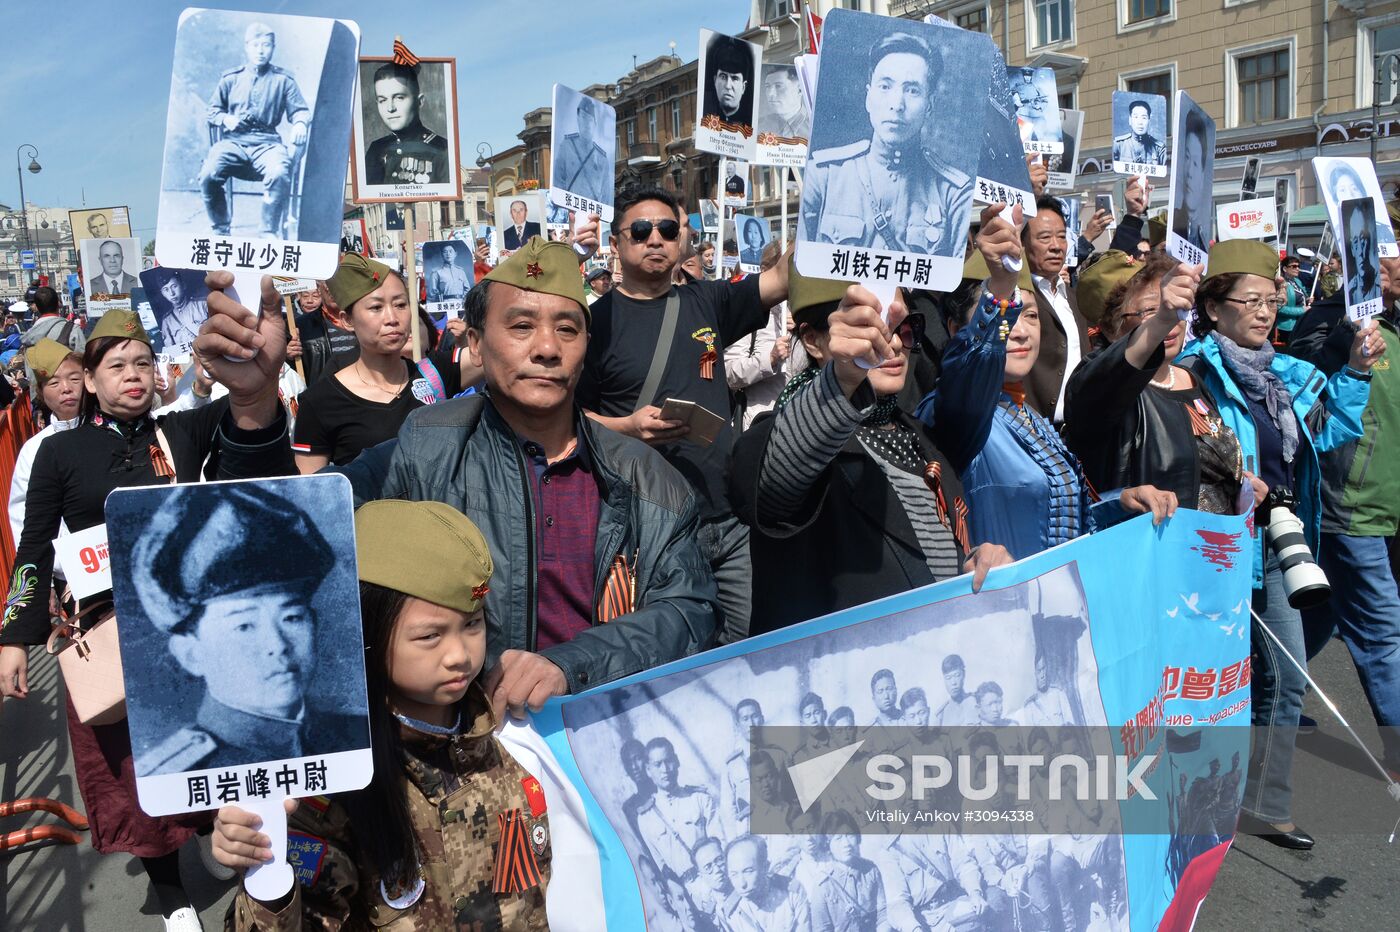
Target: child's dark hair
(379,812)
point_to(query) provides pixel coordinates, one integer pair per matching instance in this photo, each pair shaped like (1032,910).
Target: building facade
(1285,80)
(50,238)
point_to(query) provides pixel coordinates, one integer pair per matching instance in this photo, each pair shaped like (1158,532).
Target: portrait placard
(178,302)
(583,147)
(485,233)
(1249,181)
(1063,167)
(293,286)
(1256,218)
(447,270)
(354,237)
(99,223)
(784,118)
(242,652)
(882,81)
(1345,179)
(736,182)
(519,217)
(1140,134)
(1189,212)
(753,234)
(1036,99)
(256,141)
(1073,228)
(406,131)
(729,76)
(1002,174)
(110,267)
(709,215)
(1361,260)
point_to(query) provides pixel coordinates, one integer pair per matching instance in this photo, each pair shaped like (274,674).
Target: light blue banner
(1141,629)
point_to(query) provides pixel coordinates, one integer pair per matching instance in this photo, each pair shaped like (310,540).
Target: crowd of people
(862,451)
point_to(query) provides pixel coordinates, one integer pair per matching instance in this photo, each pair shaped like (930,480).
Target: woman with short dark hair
(1284,413)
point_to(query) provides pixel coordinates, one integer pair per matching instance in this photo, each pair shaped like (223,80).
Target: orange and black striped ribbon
(933,478)
(1199,425)
(960,528)
(707,364)
(402,56)
(618,591)
(160,464)
(516,867)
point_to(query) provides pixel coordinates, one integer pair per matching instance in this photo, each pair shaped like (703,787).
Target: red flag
(814,30)
(402,56)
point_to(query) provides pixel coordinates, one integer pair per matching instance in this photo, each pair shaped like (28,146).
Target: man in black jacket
(593,536)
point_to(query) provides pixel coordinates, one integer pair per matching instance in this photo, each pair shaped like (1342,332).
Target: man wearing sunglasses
(627,355)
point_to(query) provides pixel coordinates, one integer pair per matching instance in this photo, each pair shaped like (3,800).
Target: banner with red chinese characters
(1130,645)
(1253,219)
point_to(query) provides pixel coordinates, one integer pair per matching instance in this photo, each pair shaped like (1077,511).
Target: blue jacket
(1329,415)
(1009,493)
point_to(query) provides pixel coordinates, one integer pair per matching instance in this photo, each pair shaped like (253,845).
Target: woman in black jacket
(1132,416)
(847,497)
(117,444)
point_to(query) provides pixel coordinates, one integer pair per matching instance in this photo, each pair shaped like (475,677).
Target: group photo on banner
(869,476)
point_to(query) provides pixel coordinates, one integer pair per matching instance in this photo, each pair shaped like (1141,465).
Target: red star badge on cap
(479,592)
(533,270)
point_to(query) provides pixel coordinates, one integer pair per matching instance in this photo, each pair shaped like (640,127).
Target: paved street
(1345,883)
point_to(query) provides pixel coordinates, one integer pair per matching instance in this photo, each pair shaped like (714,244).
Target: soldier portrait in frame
(406,146)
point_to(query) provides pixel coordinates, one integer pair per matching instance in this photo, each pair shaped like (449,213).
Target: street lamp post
(1385,64)
(34,168)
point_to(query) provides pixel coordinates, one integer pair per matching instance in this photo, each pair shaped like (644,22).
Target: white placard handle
(884,293)
(273,879)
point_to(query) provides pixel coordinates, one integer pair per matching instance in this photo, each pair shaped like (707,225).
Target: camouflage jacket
(464,793)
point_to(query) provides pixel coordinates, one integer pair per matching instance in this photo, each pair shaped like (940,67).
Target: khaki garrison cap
(123,324)
(1241,256)
(544,267)
(428,550)
(356,277)
(45,356)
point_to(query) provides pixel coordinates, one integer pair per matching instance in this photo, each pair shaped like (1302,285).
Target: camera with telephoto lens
(1303,580)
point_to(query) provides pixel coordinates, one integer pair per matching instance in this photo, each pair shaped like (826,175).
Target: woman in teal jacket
(1284,412)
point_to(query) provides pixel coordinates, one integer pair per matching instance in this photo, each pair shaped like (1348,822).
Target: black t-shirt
(333,421)
(620,349)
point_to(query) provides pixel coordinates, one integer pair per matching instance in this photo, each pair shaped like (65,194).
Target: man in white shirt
(1064,336)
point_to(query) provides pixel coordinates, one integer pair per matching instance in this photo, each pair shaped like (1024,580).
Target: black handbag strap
(669,317)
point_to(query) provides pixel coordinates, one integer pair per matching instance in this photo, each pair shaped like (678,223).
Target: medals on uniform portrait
(517,865)
(709,356)
(402,892)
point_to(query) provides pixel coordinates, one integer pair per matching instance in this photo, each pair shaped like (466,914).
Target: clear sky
(87,83)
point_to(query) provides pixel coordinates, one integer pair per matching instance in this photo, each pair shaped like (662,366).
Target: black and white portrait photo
(518,218)
(1361,261)
(1002,174)
(1193,172)
(784,118)
(1037,103)
(1139,134)
(99,223)
(689,776)
(178,303)
(736,182)
(1345,179)
(241,640)
(582,146)
(1062,168)
(729,72)
(256,139)
(709,215)
(447,269)
(406,131)
(889,167)
(110,266)
(754,234)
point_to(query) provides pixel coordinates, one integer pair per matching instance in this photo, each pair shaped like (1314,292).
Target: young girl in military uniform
(451,832)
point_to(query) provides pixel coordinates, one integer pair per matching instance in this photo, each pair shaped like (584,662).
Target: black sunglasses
(641,230)
(911,332)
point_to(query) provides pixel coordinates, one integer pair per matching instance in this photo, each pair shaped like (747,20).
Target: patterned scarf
(881,414)
(1250,368)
